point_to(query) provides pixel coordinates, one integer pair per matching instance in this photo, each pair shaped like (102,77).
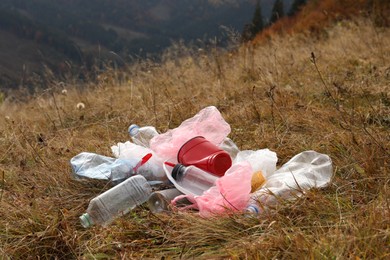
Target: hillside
(85,34)
(327,92)
(314,16)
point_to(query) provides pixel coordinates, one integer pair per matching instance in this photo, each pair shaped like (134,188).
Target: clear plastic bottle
(252,209)
(159,200)
(142,135)
(116,201)
(193,179)
(95,166)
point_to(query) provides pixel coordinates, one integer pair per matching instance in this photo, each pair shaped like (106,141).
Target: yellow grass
(277,95)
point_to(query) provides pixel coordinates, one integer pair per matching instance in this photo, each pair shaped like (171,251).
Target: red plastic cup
(203,154)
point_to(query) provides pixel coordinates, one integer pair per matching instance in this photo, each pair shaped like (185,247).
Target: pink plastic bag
(208,123)
(231,193)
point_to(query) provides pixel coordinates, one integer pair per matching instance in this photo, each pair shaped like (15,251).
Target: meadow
(290,93)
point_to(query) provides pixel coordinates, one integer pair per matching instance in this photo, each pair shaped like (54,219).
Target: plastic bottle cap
(85,220)
(133,129)
(252,209)
(177,171)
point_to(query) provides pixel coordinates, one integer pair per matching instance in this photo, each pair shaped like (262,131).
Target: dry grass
(277,96)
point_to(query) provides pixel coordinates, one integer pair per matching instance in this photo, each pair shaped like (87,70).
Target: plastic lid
(86,220)
(133,129)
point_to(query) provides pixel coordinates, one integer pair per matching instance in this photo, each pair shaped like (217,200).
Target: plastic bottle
(95,166)
(142,135)
(116,201)
(159,200)
(252,209)
(193,179)
(123,169)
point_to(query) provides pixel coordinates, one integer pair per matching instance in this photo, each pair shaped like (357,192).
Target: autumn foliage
(317,15)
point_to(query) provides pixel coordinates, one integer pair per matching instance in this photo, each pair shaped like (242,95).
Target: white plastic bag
(262,160)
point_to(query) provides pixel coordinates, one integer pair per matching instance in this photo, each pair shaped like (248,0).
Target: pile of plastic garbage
(194,166)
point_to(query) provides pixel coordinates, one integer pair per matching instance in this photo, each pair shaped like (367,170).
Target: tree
(256,26)
(257,20)
(247,33)
(296,6)
(277,11)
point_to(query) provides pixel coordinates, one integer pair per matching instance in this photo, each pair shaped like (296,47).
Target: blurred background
(76,36)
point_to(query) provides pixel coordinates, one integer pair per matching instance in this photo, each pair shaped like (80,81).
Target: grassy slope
(273,96)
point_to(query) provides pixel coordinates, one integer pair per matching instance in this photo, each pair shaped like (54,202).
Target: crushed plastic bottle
(304,171)
(116,201)
(142,135)
(95,166)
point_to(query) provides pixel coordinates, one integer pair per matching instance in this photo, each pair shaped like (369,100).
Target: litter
(304,171)
(116,201)
(159,201)
(142,135)
(152,170)
(197,163)
(226,195)
(191,180)
(95,166)
(262,160)
(203,154)
(208,123)
(230,147)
